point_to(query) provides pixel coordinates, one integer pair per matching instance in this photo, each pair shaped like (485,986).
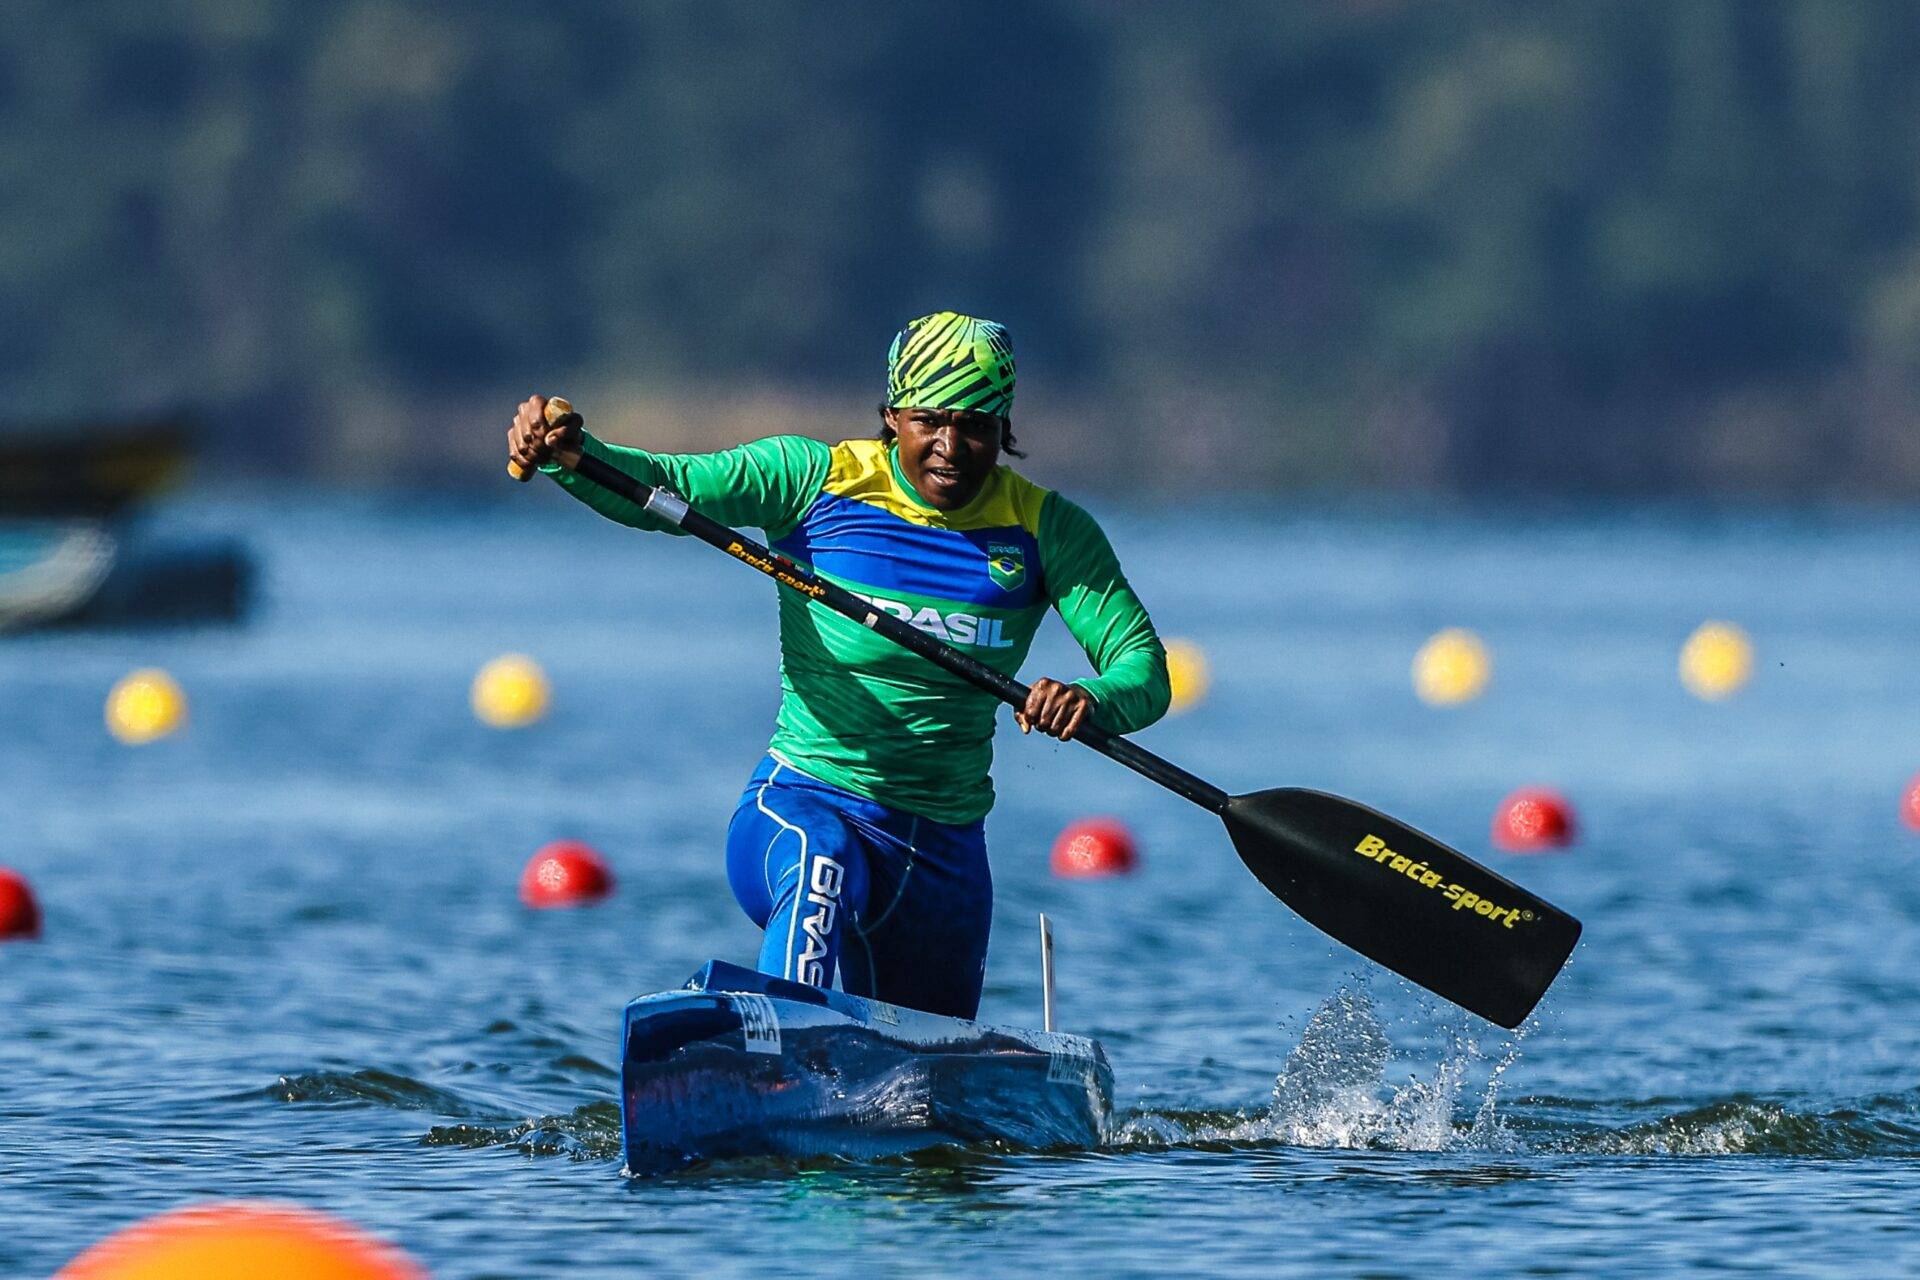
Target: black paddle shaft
(1396,895)
(674,510)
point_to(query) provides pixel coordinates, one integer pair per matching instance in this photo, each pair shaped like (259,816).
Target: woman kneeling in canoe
(859,844)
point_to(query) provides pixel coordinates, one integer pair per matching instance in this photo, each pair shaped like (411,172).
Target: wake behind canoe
(742,1064)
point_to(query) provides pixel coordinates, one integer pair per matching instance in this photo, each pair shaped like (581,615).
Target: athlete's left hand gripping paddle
(560,414)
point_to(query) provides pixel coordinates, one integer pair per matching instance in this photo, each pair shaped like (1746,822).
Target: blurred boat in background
(90,468)
(72,551)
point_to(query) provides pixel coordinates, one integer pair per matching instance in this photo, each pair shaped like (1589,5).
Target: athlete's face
(947,454)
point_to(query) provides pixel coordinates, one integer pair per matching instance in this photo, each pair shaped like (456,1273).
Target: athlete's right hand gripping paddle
(559,414)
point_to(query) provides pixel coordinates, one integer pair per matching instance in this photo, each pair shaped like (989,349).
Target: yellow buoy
(1716,660)
(1452,667)
(1187,673)
(510,691)
(145,705)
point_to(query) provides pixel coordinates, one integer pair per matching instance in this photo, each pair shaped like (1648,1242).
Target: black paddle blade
(1429,913)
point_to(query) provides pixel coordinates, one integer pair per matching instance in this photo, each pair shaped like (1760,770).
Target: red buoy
(565,873)
(1533,820)
(1910,804)
(1094,847)
(19,913)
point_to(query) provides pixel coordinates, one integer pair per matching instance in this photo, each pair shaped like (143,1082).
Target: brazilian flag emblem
(1006,565)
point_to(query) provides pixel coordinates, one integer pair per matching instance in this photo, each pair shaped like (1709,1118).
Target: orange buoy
(1910,804)
(565,873)
(19,913)
(1533,820)
(241,1241)
(1094,847)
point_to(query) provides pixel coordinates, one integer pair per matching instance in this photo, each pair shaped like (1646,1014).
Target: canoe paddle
(1429,913)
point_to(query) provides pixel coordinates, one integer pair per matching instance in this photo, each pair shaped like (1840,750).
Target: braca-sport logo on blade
(1462,898)
(1006,565)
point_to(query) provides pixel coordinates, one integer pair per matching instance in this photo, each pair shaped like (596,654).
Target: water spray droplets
(1332,1092)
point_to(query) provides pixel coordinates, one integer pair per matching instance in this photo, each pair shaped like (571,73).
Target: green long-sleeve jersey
(857,710)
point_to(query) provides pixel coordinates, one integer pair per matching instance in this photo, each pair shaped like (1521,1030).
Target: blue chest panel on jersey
(865,544)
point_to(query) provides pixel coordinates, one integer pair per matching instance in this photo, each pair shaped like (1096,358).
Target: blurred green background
(1602,247)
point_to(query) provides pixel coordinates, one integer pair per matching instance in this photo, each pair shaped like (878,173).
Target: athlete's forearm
(637,463)
(1132,690)
(766,484)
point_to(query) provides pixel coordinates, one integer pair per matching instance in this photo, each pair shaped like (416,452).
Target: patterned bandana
(950,361)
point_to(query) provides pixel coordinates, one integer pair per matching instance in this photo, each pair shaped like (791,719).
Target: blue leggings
(899,904)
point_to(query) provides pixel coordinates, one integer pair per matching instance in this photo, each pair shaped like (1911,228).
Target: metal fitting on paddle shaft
(666,504)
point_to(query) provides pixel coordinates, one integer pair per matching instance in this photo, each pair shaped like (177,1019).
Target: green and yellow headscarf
(950,361)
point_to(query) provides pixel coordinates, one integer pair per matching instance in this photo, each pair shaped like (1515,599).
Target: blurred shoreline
(1621,249)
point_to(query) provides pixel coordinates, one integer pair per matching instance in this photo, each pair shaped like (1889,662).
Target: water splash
(1332,1091)
(588,1132)
(1489,1132)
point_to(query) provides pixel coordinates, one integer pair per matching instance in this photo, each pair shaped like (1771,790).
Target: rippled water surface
(283,955)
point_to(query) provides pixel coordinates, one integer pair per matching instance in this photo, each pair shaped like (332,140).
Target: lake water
(284,958)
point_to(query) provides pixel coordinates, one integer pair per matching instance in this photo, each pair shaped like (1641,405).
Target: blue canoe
(741,1064)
